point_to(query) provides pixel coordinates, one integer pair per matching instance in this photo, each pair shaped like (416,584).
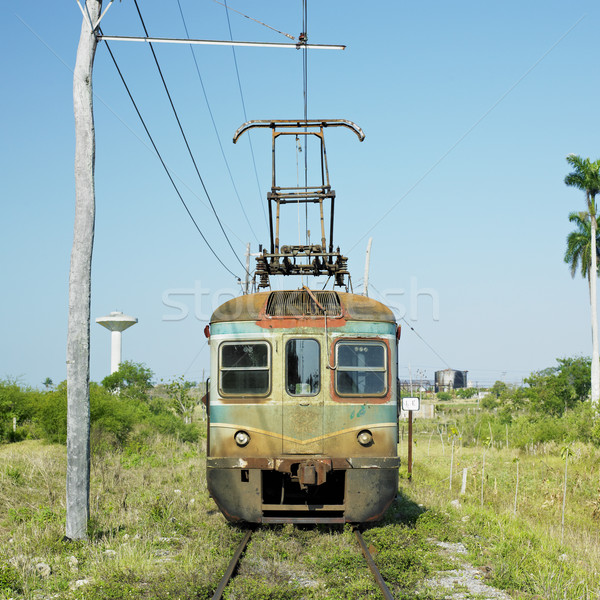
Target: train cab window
(361,368)
(244,368)
(303,367)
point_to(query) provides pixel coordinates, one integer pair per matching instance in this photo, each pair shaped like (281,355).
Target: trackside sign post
(410,405)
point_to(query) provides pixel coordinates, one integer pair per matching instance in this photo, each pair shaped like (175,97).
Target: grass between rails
(156,534)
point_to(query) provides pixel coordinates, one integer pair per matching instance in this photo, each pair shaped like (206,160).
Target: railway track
(239,551)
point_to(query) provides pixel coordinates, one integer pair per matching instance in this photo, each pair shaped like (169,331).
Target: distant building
(450,379)
(412,386)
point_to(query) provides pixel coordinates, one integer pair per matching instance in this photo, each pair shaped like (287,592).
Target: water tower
(116,322)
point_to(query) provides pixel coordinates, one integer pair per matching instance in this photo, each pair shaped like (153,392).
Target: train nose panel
(303,427)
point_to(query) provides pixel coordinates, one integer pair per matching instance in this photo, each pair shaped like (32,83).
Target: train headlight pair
(241,438)
(365,437)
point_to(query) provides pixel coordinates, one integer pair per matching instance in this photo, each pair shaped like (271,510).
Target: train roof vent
(300,303)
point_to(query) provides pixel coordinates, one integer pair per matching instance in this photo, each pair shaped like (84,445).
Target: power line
(426,342)
(215,125)
(416,332)
(304,38)
(163,162)
(185,138)
(287,35)
(245,115)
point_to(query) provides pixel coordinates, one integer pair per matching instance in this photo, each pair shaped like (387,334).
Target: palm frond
(578,254)
(586,177)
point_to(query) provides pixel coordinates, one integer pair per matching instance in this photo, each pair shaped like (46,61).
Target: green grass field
(155,533)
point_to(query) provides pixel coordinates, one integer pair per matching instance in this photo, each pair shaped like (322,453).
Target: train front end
(302,408)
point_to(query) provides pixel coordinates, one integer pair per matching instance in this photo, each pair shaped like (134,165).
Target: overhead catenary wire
(163,162)
(287,35)
(416,332)
(305,98)
(185,138)
(215,125)
(245,115)
(426,342)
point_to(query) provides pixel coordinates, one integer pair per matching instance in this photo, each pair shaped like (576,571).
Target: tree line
(124,402)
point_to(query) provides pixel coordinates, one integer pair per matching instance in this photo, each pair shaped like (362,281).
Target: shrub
(444,396)
(10,579)
(112,416)
(557,389)
(131,380)
(489,402)
(18,403)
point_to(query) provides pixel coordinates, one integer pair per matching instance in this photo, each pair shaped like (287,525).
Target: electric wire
(305,97)
(416,332)
(215,125)
(426,342)
(287,35)
(162,161)
(245,115)
(185,137)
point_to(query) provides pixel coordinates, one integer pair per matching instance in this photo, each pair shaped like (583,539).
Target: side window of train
(361,368)
(244,368)
(302,367)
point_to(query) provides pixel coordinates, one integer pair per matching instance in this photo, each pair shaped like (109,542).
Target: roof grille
(300,304)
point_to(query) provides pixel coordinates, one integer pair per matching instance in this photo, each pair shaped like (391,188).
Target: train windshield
(244,368)
(361,368)
(303,367)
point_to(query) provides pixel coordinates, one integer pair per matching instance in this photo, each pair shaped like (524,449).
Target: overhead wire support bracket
(154,40)
(87,16)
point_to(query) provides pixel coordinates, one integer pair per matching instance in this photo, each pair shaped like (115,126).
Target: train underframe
(302,489)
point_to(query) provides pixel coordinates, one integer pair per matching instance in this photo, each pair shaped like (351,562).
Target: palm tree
(579,245)
(586,177)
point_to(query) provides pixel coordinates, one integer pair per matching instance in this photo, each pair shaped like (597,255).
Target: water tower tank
(116,323)
(450,379)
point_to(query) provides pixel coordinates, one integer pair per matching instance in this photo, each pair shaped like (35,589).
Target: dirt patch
(465,582)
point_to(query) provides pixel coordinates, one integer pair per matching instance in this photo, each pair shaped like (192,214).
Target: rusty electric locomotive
(302,402)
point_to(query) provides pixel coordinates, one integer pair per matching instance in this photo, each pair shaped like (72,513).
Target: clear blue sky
(469,109)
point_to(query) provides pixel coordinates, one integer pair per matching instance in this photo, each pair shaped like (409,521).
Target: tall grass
(155,533)
(522,547)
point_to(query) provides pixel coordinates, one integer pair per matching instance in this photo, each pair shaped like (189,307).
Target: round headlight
(365,438)
(241,438)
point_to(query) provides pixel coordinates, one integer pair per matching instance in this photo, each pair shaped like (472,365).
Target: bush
(557,389)
(51,415)
(18,403)
(444,396)
(10,579)
(489,402)
(465,393)
(131,380)
(112,416)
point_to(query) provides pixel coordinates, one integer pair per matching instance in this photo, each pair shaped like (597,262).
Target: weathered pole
(78,333)
(410,443)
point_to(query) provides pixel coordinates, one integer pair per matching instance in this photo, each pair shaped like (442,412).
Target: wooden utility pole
(78,333)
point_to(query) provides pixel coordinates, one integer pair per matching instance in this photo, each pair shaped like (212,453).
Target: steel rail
(378,578)
(232,566)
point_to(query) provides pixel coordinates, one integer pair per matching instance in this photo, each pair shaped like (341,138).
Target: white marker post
(409,405)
